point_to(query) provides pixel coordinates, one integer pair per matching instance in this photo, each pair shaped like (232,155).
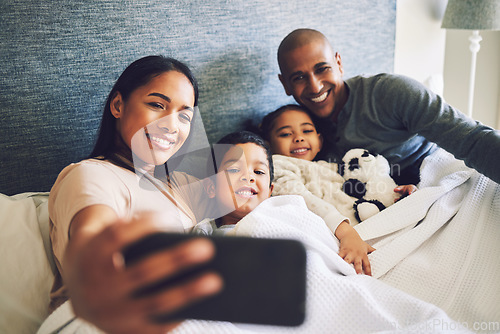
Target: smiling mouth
(245,192)
(300,151)
(320,98)
(161,142)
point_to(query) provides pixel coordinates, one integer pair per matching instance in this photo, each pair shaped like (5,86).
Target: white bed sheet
(338,300)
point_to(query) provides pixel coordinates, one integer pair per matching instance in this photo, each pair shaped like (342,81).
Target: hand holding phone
(264,279)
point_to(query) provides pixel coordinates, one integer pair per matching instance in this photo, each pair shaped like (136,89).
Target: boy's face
(312,73)
(294,135)
(243,180)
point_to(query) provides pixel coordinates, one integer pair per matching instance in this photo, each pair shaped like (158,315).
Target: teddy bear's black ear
(341,168)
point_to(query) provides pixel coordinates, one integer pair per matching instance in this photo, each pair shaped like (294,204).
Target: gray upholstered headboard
(59,59)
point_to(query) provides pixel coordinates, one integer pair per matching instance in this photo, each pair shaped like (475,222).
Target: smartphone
(264,279)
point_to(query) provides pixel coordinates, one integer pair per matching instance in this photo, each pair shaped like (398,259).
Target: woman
(99,205)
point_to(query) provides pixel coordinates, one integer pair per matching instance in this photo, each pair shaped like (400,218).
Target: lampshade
(472,15)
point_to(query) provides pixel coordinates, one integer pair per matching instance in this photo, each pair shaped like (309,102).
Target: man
(387,114)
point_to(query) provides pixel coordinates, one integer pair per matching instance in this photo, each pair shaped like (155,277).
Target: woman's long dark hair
(136,75)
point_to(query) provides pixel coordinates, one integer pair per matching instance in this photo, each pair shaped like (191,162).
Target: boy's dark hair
(242,137)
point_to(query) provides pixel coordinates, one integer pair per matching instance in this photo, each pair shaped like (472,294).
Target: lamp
(472,15)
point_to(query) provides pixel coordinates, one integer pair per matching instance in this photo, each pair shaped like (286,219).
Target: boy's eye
(297,78)
(232,170)
(260,172)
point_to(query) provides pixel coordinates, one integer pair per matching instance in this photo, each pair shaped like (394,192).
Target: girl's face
(243,181)
(155,120)
(294,135)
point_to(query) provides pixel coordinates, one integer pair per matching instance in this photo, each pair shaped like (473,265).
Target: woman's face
(155,120)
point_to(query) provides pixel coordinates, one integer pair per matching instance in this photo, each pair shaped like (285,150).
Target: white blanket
(338,300)
(450,258)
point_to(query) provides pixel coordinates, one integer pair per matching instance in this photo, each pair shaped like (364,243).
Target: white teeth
(320,98)
(161,141)
(244,193)
(300,150)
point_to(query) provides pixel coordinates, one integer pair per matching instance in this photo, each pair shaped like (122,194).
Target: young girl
(293,138)
(100,205)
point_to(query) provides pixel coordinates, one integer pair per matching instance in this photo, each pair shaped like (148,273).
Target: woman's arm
(101,287)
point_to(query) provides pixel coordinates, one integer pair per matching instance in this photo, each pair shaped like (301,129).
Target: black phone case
(264,279)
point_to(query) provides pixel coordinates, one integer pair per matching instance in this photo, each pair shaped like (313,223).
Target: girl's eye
(259,172)
(232,170)
(284,134)
(308,131)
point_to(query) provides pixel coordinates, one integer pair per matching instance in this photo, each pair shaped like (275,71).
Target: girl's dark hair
(136,75)
(243,137)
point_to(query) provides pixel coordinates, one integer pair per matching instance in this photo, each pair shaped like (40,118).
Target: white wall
(440,57)
(487,82)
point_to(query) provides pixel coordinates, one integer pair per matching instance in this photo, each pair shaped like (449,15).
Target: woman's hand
(101,287)
(353,249)
(405,190)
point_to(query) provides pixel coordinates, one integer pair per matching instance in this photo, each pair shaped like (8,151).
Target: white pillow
(26,274)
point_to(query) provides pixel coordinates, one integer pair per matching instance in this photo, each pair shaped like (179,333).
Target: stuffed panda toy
(367,178)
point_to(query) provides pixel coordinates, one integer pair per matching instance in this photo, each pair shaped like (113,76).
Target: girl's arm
(405,190)
(353,249)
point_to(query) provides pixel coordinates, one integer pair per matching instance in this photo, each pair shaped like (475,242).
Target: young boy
(245,179)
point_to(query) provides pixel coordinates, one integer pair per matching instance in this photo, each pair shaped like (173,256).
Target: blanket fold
(441,243)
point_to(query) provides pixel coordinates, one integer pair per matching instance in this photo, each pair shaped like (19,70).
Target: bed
(60,59)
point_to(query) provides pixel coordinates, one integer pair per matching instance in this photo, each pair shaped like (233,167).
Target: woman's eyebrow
(189,108)
(166,98)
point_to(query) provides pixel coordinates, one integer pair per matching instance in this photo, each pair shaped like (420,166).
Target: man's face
(312,73)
